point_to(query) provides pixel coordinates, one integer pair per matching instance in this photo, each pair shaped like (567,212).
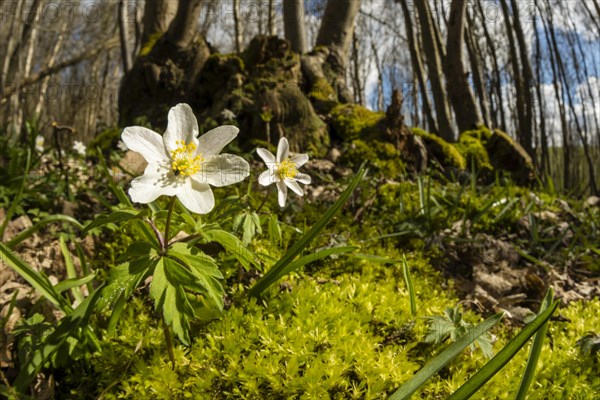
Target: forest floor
(340,327)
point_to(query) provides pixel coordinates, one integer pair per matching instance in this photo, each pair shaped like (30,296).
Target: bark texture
(459,92)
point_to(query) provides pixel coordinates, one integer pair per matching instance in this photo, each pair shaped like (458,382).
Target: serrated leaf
(274,229)
(196,272)
(256,220)
(248,231)
(170,300)
(232,245)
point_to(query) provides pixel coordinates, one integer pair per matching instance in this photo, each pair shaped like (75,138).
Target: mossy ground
(341,328)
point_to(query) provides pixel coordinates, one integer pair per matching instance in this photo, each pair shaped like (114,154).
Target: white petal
(182,125)
(267,178)
(281,193)
(196,197)
(295,187)
(303,178)
(155,182)
(223,170)
(299,159)
(266,156)
(146,142)
(283,149)
(213,141)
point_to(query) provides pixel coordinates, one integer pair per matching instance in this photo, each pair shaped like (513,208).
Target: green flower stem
(169,342)
(168,223)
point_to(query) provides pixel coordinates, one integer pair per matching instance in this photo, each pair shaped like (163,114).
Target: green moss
(149,45)
(322,91)
(440,148)
(471,144)
(107,140)
(232,61)
(382,155)
(324,339)
(352,121)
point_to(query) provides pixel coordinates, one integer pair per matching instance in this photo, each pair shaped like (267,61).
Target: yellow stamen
(287,169)
(185,163)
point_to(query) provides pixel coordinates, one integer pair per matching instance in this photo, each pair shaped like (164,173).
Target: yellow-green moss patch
(440,148)
(351,121)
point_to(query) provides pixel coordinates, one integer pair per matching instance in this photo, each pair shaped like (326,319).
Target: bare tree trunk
(559,96)
(337,27)
(476,58)
(496,80)
(50,63)
(434,64)
(124,37)
(167,73)
(461,97)
(417,63)
(379,77)
(293,22)
(183,28)
(356,78)
(526,125)
(236,26)
(333,42)
(271,20)
(158,14)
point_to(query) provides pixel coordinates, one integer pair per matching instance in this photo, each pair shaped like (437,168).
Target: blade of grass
(439,361)
(317,255)
(34,278)
(504,356)
(39,225)
(70,267)
(409,286)
(536,350)
(275,272)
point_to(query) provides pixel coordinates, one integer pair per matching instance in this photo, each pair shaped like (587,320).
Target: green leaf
(170,300)
(47,220)
(74,282)
(317,255)
(68,326)
(274,229)
(121,282)
(536,350)
(114,217)
(39,281)
(276,271)
(198,272)
(70,267)
(409,286)
(439,361)
(504,356)
(141,257)
(232,245)
(248,229)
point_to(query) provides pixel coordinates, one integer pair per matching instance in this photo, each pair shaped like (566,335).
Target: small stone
(334,154)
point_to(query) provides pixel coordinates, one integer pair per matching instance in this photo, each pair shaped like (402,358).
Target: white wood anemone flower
(283,170)
(183,165)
